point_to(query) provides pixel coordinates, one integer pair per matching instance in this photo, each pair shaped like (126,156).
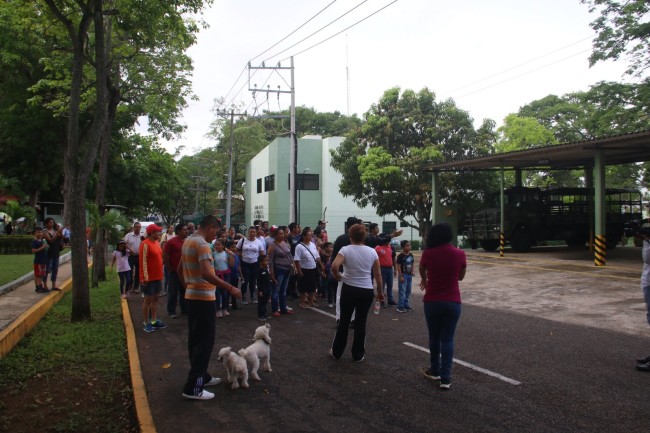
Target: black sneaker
(643,360)
(392,303)
(401,310)
(445,383)
(56,289)
(429,374)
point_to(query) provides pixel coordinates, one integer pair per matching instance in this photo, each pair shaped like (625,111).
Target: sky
(490,57)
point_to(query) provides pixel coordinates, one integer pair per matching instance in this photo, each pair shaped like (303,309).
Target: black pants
(263,295)
(353,298)
(200,341)
(175,294)
(134,262)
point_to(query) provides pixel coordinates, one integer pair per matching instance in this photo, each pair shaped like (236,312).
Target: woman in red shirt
(442,266)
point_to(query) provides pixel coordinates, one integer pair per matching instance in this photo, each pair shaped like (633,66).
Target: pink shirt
(443,265)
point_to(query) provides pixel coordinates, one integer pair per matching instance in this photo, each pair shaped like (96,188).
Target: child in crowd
(325,256)
(235,270)
(223,260)
(263,287)
(121,256)
(329,283)
(39,249)
(387,264)
(405,277)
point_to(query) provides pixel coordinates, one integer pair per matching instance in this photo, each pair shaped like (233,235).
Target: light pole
(300,185)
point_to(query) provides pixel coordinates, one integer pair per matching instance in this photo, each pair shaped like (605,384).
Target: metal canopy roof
(619,149)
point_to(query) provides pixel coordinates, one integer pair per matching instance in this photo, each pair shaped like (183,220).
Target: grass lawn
(14,266)
(70,377)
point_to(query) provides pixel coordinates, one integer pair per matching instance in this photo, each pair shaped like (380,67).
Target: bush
(19,244)
(416,245)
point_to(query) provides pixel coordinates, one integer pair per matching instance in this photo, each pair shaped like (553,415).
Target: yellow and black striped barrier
(600,250)
(502,243)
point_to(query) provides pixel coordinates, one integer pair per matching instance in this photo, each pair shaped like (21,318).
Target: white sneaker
(205,395)
(213,381)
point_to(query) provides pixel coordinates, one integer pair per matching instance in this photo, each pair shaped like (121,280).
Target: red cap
(153,228)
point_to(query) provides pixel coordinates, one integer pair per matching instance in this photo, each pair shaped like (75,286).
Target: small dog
(259,351)
(235,367)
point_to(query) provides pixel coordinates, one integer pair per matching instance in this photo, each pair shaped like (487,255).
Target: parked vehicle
(533,215)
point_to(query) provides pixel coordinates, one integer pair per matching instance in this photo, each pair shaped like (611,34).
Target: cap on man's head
(353,220)
(383,239)
(645,231)
(151,228)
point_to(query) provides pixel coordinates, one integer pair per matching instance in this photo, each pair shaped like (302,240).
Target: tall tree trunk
(81,149)
(112,85)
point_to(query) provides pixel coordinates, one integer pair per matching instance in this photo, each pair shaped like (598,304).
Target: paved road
(571,377)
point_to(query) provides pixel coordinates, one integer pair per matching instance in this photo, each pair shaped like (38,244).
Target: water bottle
(377,307)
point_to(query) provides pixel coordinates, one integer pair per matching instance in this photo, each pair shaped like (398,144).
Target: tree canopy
(383,162)
(623,29)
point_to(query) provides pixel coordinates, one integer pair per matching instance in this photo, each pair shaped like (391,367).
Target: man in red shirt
(151,277)
(171,258)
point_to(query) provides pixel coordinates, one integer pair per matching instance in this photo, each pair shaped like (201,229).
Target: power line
(524,73)
(336,34)
(521,64)
(304,24)
(325,26)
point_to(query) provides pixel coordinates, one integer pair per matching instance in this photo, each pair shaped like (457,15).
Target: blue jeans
(646,296)
(279,291)
(442,318)
(404,290)
(387,278)
(249,272)
(125,281)
(51,266)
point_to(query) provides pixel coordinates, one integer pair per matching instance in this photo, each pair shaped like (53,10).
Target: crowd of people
(209,271)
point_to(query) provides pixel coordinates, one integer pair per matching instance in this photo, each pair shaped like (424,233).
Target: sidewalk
(21,308)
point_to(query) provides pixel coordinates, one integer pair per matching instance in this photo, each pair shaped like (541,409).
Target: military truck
(533,215)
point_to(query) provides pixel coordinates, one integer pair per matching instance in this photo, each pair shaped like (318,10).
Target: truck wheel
(521,242)
(490,244)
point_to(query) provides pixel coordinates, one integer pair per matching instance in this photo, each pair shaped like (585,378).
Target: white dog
(259,351)
(235,367)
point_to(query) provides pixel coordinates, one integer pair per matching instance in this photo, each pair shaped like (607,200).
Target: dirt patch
(65,402)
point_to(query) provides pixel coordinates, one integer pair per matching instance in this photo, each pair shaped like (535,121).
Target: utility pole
(230,159)
(293,154)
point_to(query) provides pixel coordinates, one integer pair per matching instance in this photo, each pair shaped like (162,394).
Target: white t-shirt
(357,265)
(250,250)
(122,261)
(305,257)
(133,242)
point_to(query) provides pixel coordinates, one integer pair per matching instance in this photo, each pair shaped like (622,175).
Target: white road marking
(472,366)
(458,361)
(325,313)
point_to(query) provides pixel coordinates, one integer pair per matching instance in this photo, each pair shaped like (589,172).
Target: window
(259,185)
(388,226)
(269,183)
(305,182)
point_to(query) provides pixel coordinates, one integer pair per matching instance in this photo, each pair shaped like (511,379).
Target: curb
(12,334)
(142,408)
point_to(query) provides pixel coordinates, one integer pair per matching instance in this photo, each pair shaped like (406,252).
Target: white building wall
(337,208)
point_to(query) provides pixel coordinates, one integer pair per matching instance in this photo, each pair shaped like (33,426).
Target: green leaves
(623,29)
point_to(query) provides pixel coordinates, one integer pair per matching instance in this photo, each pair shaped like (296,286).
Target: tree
(606,109)
(622,28)
(383,162)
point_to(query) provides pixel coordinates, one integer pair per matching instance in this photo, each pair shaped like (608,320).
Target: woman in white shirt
(359,263)
(250,250)
(308,268)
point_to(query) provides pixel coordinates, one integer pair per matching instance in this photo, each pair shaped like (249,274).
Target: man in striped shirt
(196,272)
